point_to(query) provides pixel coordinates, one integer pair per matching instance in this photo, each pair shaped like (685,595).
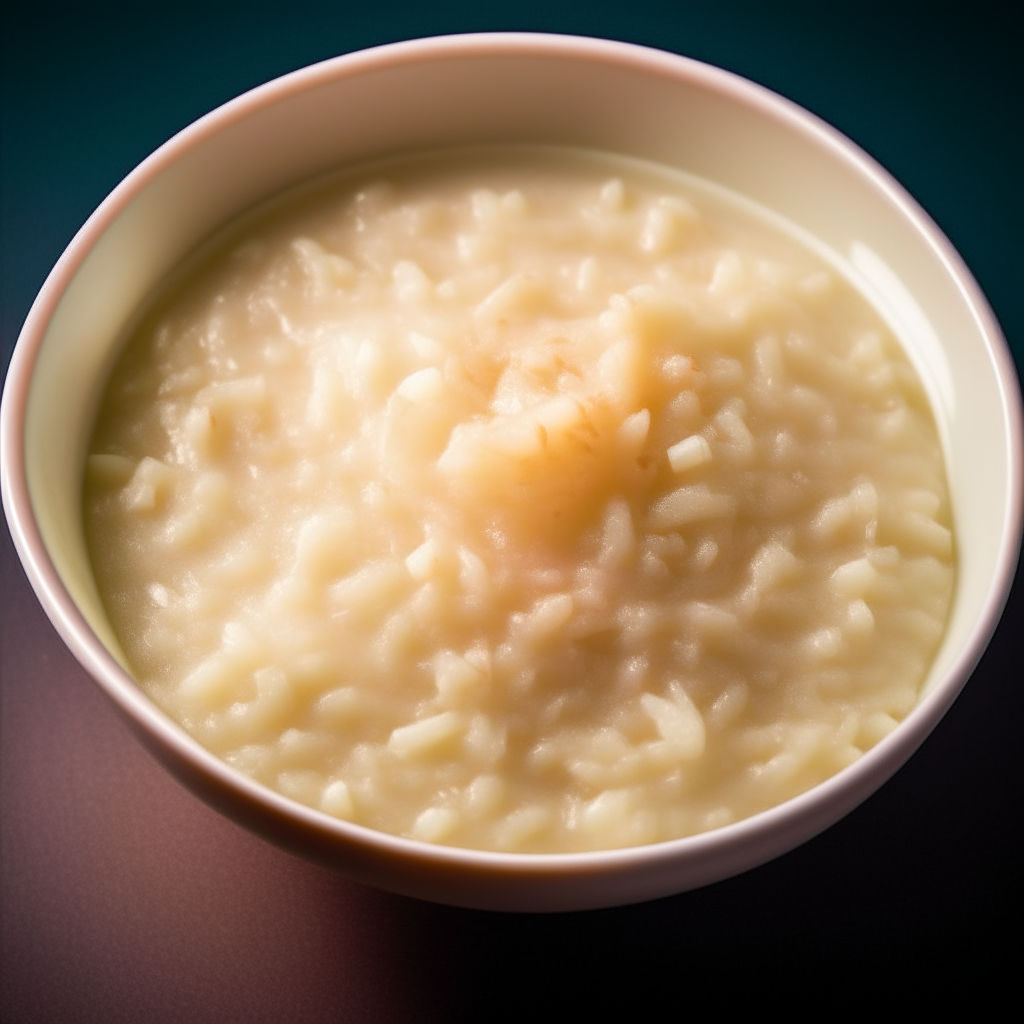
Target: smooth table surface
(123,898)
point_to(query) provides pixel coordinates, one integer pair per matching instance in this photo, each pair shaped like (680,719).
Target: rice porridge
(528,500)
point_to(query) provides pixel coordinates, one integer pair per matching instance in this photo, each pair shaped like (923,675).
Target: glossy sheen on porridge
(526,501)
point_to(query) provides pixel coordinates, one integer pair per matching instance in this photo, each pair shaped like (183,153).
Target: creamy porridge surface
(526,501)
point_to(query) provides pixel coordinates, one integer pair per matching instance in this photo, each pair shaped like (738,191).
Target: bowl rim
(825,802)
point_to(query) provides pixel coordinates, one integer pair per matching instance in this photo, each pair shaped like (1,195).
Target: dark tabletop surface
(123,898)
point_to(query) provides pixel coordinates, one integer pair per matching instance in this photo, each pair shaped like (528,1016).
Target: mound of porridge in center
(527,501)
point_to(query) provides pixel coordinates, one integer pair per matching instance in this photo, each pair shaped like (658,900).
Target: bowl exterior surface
(501,88)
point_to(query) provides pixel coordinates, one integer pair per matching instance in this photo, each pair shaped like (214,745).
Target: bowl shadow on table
(923,873)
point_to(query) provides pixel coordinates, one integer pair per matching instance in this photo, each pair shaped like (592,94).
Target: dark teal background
(932,90)
(124,899)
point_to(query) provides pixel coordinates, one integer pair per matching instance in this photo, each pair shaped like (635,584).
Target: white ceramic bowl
(511,88)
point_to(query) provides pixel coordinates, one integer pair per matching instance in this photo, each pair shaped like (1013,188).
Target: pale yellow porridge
(527,500)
